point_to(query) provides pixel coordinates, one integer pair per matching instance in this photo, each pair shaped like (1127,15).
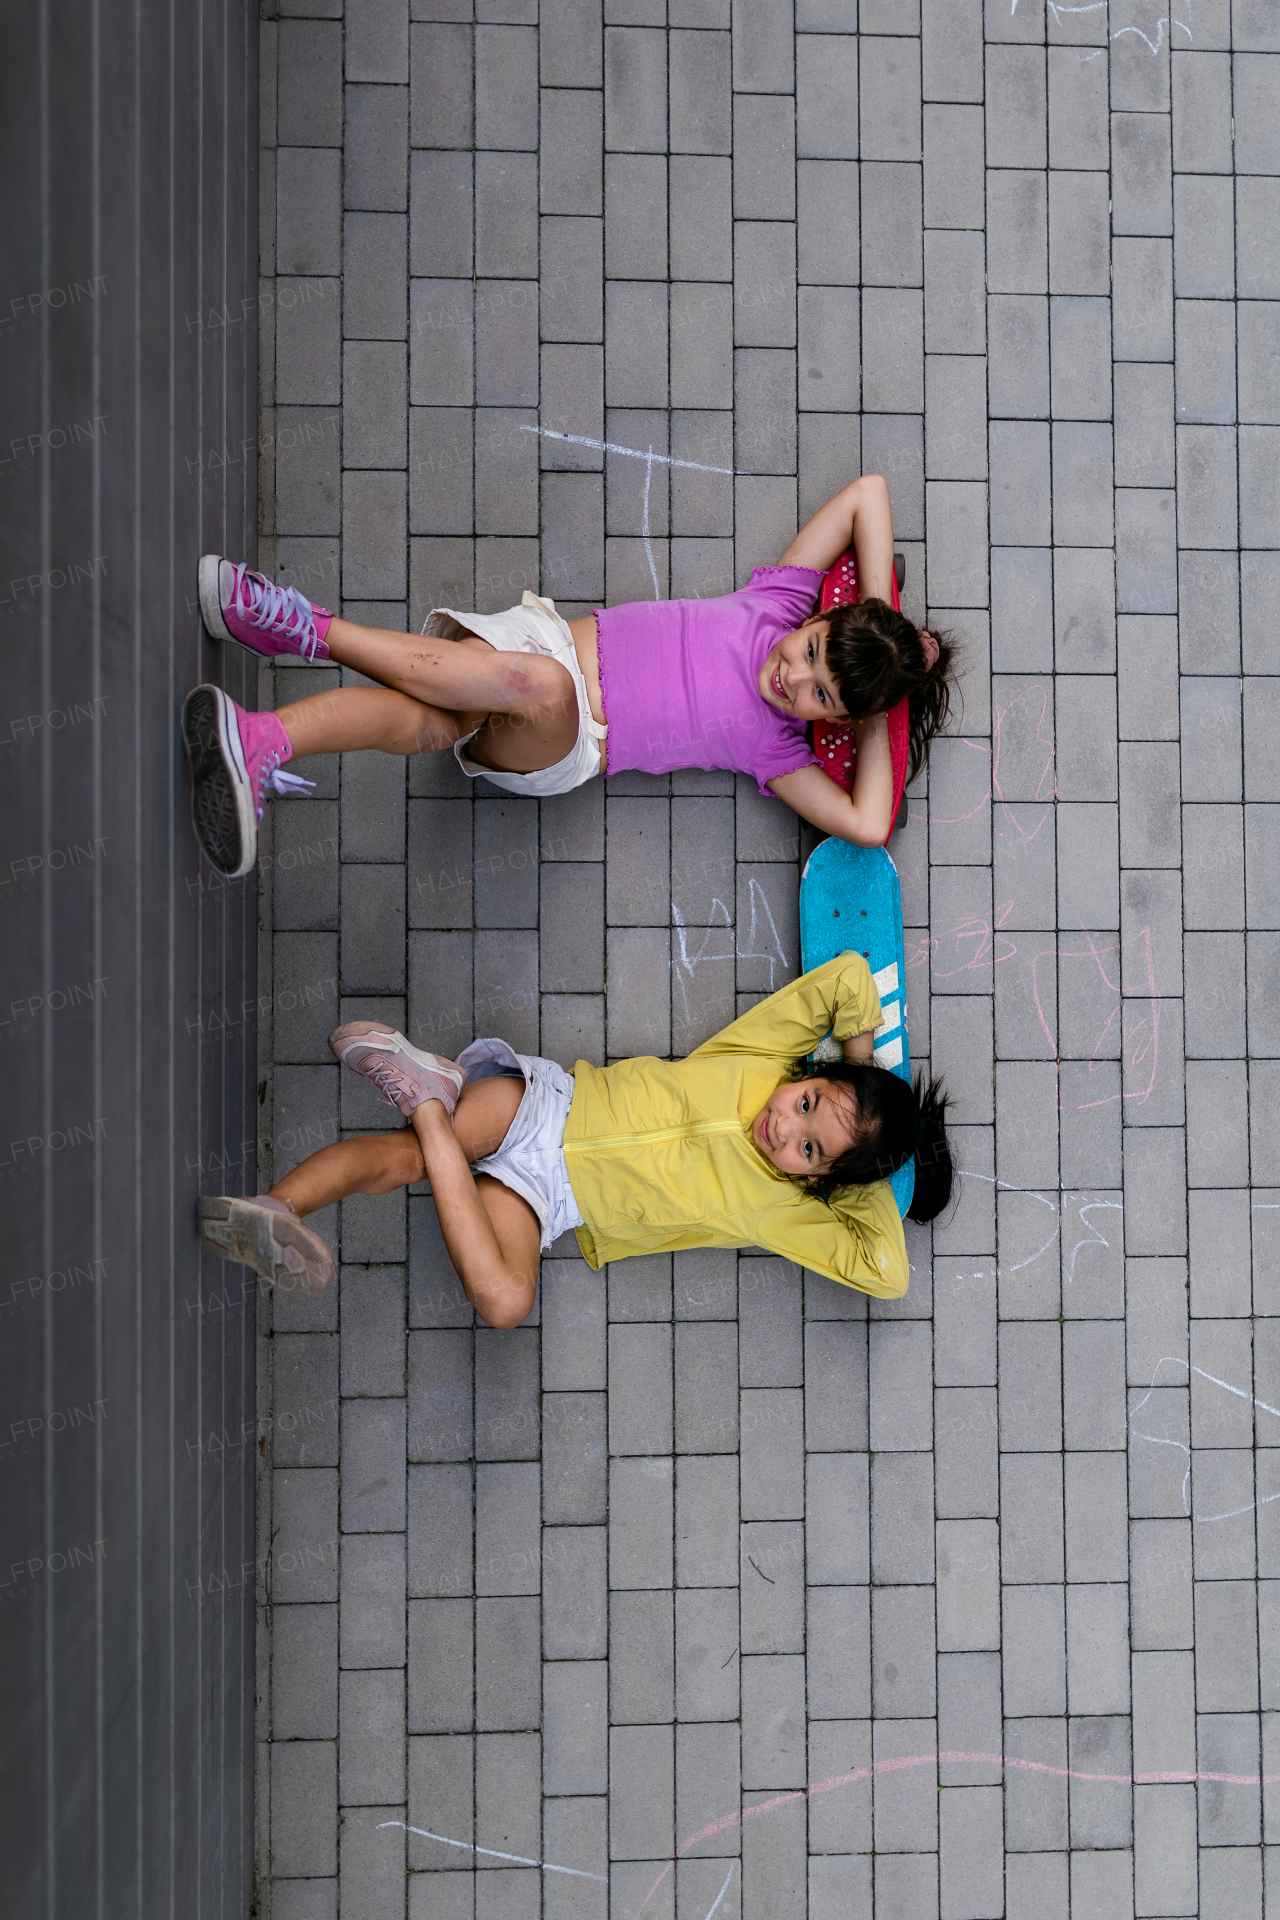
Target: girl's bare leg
(349,718)
(384,1162)
(434,692)
(493,1235)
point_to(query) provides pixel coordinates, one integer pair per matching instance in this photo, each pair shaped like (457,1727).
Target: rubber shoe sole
(276,1245)
(222,809)
(210,603)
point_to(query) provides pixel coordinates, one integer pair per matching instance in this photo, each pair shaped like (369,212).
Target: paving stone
(706,1641)
(706,1510)
(309,106)
(507,1796)
(1098,1648)
(640,1523)
(954,301)
(773,1753)
(304,1683)
(968,1577)
(901,1413)
(642,1669)
(905,1799)
(772,1450)
(574,1458)
(971,1865)
(1016,104)
(1101,1881)
(1036,1801)
(304,1813)
(708,1778)
(1031,1531)
(1017,232)
(772,1594)
(838,1647)
(377,43)
(840,1817)
(1231,1880)
(701,237)
(441,1776)
(441,1666)
(642,1763)
(372,1600)
(1101,1813)
(373,1474)
(572,134)
(1203,238)
(1142,299)
(953,166)
(507,1545)
(1141,173)
(506,87)
(442,86)
(902,1544)
(889,103)
(951,54)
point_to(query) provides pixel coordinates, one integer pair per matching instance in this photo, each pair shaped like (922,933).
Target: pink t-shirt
(680,679)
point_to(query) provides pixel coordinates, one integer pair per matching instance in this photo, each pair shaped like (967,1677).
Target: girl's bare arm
(860,515)
(866,815)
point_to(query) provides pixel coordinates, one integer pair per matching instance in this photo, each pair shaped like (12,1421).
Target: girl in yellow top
(730,1147)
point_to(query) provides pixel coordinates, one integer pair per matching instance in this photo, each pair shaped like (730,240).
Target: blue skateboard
(850,902)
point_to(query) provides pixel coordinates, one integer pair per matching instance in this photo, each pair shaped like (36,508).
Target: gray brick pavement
(708,1530)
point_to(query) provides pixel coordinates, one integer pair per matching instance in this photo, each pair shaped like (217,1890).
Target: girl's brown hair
(877,658)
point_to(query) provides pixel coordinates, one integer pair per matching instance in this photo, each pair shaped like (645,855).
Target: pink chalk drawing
(948,1757)
(977,944)
(951,1757)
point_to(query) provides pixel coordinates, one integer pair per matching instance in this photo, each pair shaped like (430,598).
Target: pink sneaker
(238,604)
(236,759)
(401,1074)
(268,1236)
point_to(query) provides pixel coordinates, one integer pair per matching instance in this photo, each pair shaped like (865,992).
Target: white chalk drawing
(651,460)
(1061,11)
(715,1905)
(491,1853)
(762,942)
(1158,1440)
(1092,1237)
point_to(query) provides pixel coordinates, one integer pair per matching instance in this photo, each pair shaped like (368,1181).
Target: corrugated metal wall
(127,424)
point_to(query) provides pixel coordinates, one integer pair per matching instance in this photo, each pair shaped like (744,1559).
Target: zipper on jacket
(647,1139)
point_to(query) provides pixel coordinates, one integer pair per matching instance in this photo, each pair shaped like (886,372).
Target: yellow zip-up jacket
(660,1155)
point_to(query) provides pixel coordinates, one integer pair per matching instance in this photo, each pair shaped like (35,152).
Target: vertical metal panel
(127,397)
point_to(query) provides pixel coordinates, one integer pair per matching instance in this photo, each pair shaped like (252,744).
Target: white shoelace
(276,780)
(384,1077)
(270,606)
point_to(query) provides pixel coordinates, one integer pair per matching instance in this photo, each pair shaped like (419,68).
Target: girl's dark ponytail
(930,703)
(934,1170)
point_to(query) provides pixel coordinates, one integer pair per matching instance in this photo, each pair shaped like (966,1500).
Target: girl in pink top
(538,704)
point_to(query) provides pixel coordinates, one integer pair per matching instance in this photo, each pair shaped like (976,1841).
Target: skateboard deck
(850,901)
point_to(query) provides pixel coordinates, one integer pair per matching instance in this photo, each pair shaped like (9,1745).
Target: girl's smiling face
(796,679)
(805,1125)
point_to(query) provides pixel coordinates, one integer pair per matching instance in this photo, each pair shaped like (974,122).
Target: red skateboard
(833,744)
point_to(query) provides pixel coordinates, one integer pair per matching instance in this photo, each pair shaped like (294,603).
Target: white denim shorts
(532,627)
(531,1159)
